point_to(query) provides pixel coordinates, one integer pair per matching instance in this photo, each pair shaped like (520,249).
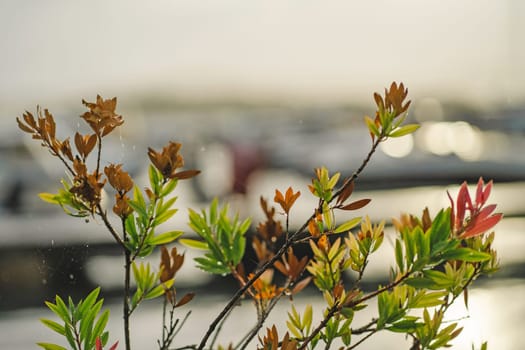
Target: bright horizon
(54,51)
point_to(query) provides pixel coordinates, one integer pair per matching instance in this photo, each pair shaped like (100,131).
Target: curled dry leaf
(101,116)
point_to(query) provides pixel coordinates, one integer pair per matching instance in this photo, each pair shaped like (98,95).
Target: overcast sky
(471,50)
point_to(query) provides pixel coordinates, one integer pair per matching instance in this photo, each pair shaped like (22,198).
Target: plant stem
(260,322)
(372,332)
(365,328)
(331,312)
(103,215)
(99,152)
(219,328)
(233,301)
(379,291)
(127,280)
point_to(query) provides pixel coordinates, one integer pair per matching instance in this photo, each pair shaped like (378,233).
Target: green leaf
(57,310)
(333,180)
(63,310)
(307,318)
(137,274)
(430,299)
(440,230)
(212,266)
(165,238)
(154,179)
(163,206)
(50,346)
(54,326)
(70,338)
(347,312)
(131,228)
(404,130)
(169,187)
(372,126)
(99,326)
(245,226)
(87,321)
(328,216)
(399,256)
(294,330)
(466,254)
(159,290)
(421,283)
(141,210)
(348,225)
(88,303)
(49,198)
(197,224)
(213,210)
(440,279)
(406,325)
(164,216)
(238,248)
(104,337)
(346,338)
(192,243)
(138,198)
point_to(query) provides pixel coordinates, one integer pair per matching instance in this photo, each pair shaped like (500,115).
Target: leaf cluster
(223,238)
(149,213)
(81,324)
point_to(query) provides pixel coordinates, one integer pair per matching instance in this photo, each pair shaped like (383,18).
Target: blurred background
(259,93)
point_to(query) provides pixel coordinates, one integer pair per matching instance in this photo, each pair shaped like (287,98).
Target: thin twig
(365,328)
(99,152)
(379,291)
(127,288)
(362,340)
(102,213)
(233,301)
(331,312)
(219,328)
(260,322)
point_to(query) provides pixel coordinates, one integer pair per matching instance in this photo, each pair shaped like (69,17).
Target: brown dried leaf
(185,299)
(24,127)
(346,193)
(356,205)
(299,286)
(30,120)
(186,174)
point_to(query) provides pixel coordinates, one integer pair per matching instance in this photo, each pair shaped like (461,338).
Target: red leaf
(461,203)
(479,193)
(486,192)
(485,212)
(482,226)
